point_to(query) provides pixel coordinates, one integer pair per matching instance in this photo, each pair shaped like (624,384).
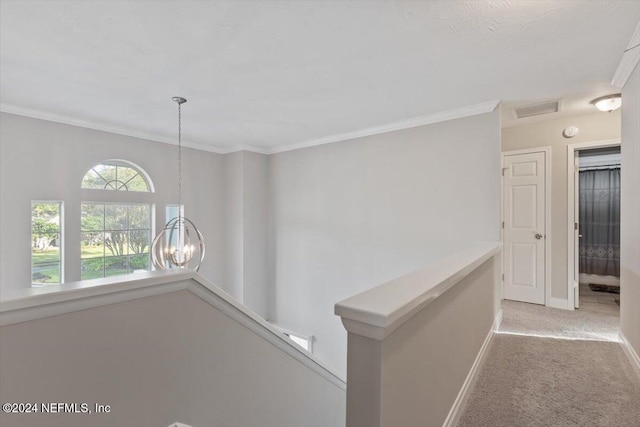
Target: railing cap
(377,312)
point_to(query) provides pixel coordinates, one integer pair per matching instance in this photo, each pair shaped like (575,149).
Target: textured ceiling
(272,74)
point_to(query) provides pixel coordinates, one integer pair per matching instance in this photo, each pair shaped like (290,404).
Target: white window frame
(289,333)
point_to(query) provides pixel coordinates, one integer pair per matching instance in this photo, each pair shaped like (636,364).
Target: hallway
(550,367)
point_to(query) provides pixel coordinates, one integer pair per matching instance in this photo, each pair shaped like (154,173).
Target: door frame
(548,301)
(573,287)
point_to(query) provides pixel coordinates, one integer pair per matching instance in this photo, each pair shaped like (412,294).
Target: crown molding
(443,116)
(58,118)
(629,60)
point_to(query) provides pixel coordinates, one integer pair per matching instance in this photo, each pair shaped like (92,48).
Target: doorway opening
(594,225)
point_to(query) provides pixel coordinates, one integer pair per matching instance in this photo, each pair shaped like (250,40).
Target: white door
(574,275)
(524,227)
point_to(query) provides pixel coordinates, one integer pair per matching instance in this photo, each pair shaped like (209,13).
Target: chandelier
(180,244)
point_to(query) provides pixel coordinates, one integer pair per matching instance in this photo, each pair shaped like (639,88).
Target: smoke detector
(546,107)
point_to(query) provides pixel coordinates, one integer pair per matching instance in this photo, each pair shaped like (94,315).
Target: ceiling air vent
(537,109)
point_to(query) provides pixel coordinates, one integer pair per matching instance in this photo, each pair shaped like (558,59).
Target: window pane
(138,184)
(108,174)
(92,268)
(171,211)
(139,263)
(115,266)
(93,180)
(92,244)
(115,243)
(45,242)
(139,216)
(92,216)
(116,176)
(46,274)
(115,217)
(139,242)
(123,238)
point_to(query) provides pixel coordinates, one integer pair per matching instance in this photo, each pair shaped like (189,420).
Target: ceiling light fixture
(180,244)
(608,102)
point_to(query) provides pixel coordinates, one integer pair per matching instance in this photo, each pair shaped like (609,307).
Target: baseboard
(630,352)
(465,391)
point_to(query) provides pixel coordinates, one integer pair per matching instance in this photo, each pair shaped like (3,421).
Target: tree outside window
(46,236)
(115,239)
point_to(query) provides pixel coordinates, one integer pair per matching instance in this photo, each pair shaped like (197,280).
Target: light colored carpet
(531,382)
(591,322)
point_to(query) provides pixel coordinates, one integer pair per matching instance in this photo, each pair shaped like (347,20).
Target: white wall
(246,207)
(234,224)
(41,160)
(630,213)
(349,216)
(136,357)
(256,211)
(593,127)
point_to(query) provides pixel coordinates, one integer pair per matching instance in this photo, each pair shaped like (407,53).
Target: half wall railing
(415,342)
(157,348)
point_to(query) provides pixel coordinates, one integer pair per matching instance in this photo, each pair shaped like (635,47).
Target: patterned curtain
(600,222)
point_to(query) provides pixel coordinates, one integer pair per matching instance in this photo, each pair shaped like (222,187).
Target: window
(46,236)
(115,234)
(304,341)
(171,211)
(116,175)
(115,239)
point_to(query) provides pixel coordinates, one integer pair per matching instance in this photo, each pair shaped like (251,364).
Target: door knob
(538,236)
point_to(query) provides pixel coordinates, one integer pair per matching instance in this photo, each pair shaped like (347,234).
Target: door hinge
(502,224)
(503,169)
(503,277)
(575,225)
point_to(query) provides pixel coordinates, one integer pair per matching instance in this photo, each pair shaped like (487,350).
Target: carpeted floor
(592,322)
(530,381)
(577,379)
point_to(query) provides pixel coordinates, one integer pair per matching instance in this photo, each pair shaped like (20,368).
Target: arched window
(117,175)
(115,231)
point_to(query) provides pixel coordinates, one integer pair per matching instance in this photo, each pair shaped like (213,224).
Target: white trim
(547,221)
(179,425)
(57,118)
(571,201)
(467,387)
(629,60)
(38,303)
(379,311)
(560,303)
(634,359)
(442,116)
